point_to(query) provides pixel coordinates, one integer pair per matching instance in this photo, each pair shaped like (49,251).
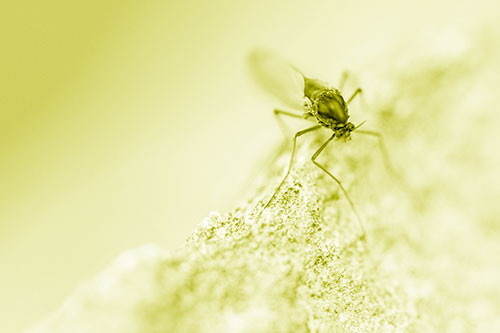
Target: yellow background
(126,122)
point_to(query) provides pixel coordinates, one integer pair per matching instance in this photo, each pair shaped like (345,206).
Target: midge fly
(318,102)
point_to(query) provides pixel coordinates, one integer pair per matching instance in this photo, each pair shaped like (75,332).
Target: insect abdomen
(312,87)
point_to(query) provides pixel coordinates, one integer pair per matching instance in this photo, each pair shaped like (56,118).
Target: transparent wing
(278,77)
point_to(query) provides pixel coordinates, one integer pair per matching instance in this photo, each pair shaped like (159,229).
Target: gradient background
(126,122)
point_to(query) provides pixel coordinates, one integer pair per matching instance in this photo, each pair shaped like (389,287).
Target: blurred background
(126,122)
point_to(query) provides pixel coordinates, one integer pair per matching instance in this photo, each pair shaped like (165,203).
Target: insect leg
(383,150)
(358,91)
(278,113)
(343,78)
(307,130)
(313,159)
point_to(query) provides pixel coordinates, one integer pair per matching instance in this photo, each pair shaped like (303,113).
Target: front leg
(300,133)
(313,159)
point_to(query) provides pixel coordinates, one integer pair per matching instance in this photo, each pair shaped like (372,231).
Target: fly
(318,102)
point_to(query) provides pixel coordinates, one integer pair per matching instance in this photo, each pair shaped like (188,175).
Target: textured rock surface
(429,263)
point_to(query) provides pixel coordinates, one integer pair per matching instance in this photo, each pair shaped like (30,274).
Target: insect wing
(278,77)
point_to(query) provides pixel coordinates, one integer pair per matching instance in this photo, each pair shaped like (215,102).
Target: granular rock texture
(429,262)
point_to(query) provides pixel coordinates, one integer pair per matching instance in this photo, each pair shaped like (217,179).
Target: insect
(317,101)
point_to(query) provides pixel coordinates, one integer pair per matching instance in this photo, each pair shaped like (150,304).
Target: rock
(427,263)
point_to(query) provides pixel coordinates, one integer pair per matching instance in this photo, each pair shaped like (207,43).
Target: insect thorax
(329,109)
